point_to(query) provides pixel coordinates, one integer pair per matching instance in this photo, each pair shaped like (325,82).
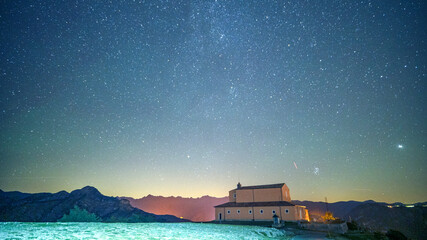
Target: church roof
(277,185)
(256,204)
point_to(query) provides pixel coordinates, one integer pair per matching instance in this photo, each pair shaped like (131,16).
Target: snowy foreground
(136,231)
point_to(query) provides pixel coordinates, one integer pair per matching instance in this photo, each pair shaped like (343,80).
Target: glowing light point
(400,146)
(316,171)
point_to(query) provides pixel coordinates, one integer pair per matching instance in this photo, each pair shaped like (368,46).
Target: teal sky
(189,97)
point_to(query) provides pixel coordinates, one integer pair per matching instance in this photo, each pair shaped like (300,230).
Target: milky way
(189,97)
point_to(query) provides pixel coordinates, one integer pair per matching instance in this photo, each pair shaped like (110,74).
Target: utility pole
(326,201)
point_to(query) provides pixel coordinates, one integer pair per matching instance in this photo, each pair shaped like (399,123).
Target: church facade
(260,203)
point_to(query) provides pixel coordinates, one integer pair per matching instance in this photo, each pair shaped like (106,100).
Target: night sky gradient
(189,97)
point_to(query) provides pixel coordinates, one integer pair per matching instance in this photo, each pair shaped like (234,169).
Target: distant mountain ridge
(195,209)
(342,209)
(411,221)
(50,207)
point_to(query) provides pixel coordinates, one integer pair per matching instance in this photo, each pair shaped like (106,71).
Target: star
(316,171)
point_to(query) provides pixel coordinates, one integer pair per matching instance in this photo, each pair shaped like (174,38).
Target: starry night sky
(189,97)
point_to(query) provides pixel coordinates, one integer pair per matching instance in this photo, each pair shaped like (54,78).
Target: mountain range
(195,209)
(88,204)
(85,203)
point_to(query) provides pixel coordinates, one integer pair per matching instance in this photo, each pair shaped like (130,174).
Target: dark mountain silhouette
(377,216)
(49,207)
(411,221)
(339,209)
(194,209)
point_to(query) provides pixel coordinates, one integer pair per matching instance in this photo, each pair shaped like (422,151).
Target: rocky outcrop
(49,207)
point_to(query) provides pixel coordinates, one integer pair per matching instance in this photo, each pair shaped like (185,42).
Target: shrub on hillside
(395,235)
(79,215)
(352,226)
